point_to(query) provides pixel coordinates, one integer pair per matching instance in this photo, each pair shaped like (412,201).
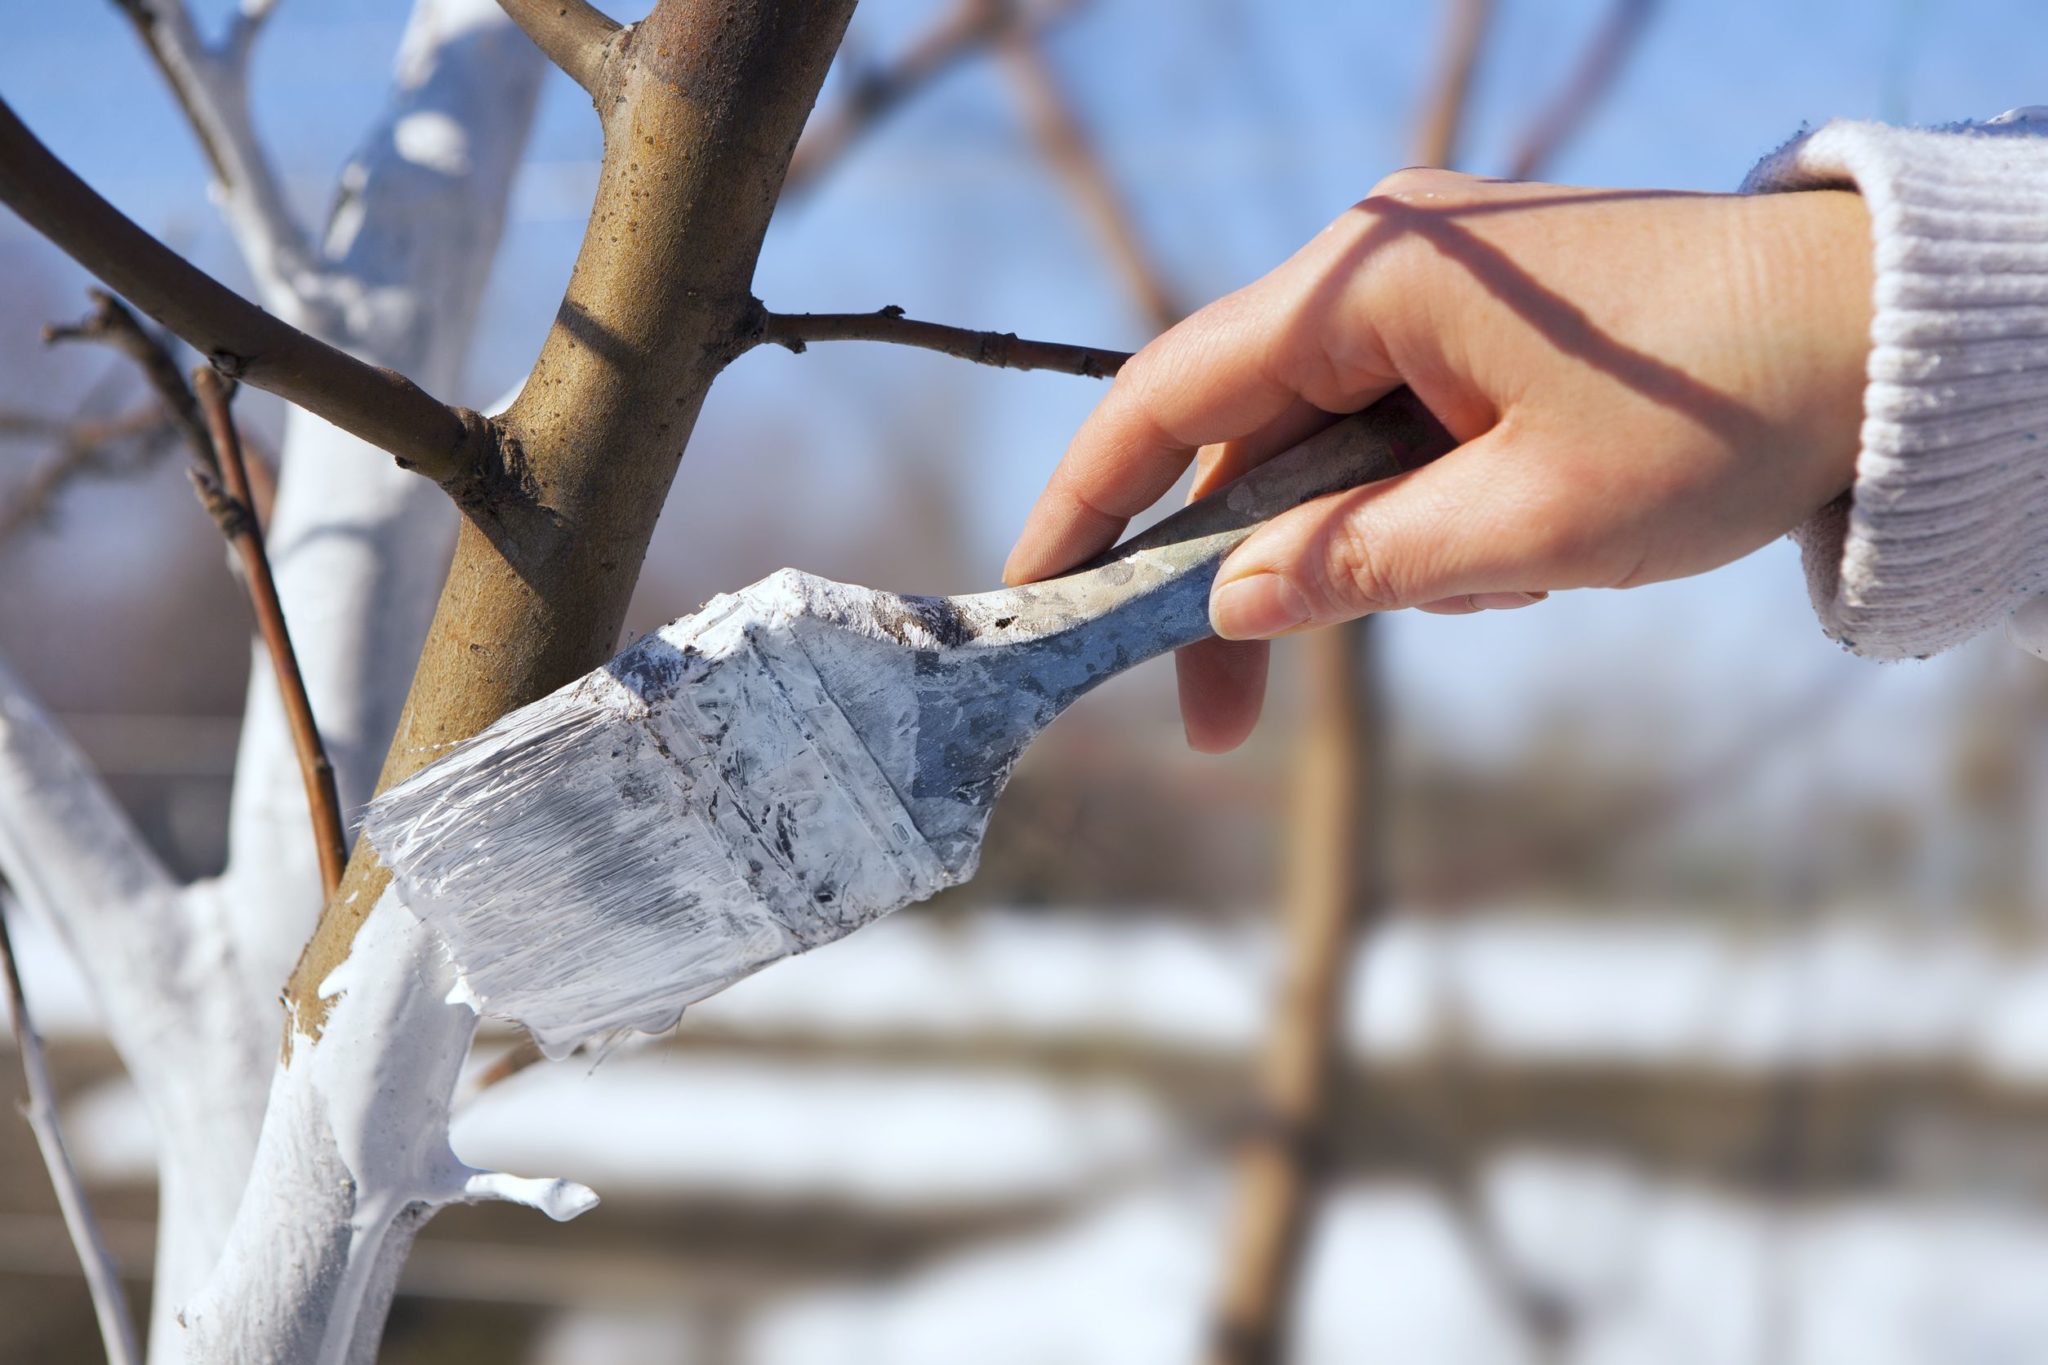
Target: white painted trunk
(359,548)
(353,1150)
(354,1156)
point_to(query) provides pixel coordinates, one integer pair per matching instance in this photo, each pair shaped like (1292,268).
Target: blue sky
(1238,128)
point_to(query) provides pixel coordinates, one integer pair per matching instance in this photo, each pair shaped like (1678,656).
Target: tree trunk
(701,106)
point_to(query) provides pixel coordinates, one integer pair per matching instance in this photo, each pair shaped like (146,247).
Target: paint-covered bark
(353,1158)
(701,105)
(358,545)
(187,978)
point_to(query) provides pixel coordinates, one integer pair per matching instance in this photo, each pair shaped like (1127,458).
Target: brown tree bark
(701,104)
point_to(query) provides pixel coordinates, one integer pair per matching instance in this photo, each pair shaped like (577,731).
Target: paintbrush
(793,761)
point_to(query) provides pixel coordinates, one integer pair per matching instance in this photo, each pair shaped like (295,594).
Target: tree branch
(1443,110)
(211,85)
(111,324)
(63,839)
(963,30)
(1594,77)
(166,979)
(573,34)
(102,1279)
(517,1058)
(233,508)
(243,25)
(1004,350)
(380,406)
(1067,148)
(127,443)
(89,444)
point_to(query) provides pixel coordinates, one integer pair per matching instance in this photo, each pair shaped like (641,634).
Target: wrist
(1815,284)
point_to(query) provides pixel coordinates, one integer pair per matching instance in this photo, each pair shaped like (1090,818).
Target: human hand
(1645,385)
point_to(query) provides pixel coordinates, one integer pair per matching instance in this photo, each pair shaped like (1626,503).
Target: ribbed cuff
(1945,532)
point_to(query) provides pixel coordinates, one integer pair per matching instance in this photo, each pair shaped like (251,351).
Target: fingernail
(1256,608)
(1506,601)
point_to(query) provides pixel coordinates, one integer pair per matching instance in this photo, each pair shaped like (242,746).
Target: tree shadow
(1561,323)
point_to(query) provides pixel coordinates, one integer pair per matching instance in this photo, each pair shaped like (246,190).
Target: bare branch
(380,406)
(243,25)
(15,426)
(113,325)
(573,34)
(963,30)
(1443,111)
(1067,148)
(233,508)
(517,1058)
(125,444)
(102,1280)
(1603,60)
(211,85)
(1004,350)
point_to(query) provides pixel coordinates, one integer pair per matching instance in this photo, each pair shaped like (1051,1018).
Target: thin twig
(962,31)
(517,1058)
(380,406)
(1004,350)
(572,34)
(125,444)
(210,83)
(102,1278)
(88,446)
(1590,82)
(262,466)
(230,503)
(111,324)
(1070,152)
(1443,111)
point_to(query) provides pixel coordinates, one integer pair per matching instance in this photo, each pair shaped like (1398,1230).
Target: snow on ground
(885,1136)
(1528,986)
(1649,1270)
(1683,1276)
(657,1123)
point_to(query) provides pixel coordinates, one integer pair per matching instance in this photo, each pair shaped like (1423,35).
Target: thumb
(1476,521)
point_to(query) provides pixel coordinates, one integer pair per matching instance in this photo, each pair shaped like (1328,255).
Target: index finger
(1204,380)
(1221,374)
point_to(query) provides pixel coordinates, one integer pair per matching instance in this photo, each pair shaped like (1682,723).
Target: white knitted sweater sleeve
(1946,529)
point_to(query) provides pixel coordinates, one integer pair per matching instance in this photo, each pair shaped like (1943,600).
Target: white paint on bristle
(689,814)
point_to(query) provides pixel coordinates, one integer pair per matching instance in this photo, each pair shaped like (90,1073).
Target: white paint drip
(388,1107)
(692,812)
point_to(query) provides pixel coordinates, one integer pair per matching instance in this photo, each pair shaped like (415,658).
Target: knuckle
(1421,184)
(1352,573)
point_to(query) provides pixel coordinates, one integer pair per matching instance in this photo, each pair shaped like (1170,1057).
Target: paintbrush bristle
(695,810)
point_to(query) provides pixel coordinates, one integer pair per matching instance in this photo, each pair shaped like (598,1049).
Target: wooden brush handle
(1150,594)
(1395,434)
